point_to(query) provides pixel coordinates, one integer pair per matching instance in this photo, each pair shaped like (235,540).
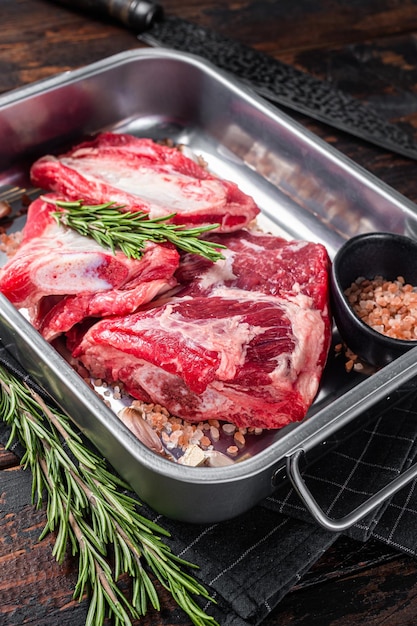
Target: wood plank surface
(368,48)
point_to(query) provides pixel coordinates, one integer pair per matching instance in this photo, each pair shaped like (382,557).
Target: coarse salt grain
(196,436)
(177,436)
(389,307)
(205,442)
(228,429)
(239,439)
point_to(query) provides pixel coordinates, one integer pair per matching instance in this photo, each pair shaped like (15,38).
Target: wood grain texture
(7,458)
(286,26)
(33,585)
(366,47)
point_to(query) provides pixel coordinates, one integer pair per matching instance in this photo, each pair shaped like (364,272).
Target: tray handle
(338,525)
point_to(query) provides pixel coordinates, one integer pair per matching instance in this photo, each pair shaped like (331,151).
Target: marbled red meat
(143,175)
(244,340)
(62,277)
(260,262)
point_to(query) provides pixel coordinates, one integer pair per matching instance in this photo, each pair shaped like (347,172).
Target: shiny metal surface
(305,189)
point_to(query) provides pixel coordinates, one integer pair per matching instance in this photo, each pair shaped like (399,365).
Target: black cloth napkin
(249,563)
(261,555)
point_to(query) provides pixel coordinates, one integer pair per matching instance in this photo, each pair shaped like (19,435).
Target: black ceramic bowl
(370,255)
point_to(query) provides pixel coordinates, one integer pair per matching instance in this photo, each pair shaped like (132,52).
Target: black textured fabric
(249,563)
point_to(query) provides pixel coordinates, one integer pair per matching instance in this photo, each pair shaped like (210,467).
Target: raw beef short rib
(145,176)
(62,277)
(244,340)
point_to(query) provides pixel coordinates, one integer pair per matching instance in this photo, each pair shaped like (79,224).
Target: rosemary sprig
(89,509)
(130,231)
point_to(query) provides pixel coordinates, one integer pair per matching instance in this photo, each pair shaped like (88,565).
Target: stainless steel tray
(305,189)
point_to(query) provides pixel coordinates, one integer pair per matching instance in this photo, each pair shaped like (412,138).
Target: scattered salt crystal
(205,442)
(168,427)
(228,429)
(239,439)
(174,436)
(196,436)
(165,437)
(214,433)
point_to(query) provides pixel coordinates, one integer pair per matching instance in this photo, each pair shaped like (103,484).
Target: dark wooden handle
(137,15)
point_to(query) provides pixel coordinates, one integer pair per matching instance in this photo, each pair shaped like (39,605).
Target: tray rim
(232,83)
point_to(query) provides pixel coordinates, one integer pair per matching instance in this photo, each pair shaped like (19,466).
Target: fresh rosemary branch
(89,509)
(130,231)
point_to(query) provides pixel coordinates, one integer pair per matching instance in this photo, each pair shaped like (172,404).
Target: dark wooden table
(369,49)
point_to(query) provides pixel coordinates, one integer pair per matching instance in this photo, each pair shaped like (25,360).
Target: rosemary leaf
(92,514)
(111,227)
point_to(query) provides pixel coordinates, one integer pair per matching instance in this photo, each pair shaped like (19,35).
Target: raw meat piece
(244,341)
(62,277)
(256,261)
(145,176)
